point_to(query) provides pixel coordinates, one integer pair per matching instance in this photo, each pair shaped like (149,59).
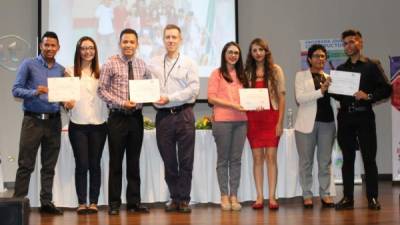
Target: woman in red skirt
(265,125)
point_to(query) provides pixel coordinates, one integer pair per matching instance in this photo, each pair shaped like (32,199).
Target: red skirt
(261,128)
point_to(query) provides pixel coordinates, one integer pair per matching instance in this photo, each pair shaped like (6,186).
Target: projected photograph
(206,26)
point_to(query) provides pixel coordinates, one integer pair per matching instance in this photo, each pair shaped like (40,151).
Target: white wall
(283,23)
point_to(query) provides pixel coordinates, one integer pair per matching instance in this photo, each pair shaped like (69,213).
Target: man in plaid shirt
(125,121)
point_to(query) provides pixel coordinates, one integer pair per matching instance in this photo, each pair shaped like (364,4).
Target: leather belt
(354,109)
(174,110)
(42,116)
(125,112)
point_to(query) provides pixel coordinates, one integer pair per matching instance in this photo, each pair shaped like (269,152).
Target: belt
(174,110)
(42,116)
(125,112)
(354,109)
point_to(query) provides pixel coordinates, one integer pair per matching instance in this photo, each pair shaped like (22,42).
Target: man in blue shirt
(41,125)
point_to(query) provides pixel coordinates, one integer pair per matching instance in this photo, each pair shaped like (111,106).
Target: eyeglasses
(87,48)
(232,52)
(319,56)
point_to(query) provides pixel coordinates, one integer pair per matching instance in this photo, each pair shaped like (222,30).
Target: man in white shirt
(175,121)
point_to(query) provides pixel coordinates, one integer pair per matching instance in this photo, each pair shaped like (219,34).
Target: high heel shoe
(327,204)
(308,204)
(257,205)
(225,203)
(236,206)
(82,209)
(273,206)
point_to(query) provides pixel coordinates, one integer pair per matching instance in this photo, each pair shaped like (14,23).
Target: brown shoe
(173,206)
(184,207)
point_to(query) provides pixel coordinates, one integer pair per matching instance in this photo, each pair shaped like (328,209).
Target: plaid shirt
(113,82)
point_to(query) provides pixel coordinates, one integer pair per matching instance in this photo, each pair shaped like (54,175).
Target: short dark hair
(172,26)
(49,34)
(351,32)
(128,31)
(313,48)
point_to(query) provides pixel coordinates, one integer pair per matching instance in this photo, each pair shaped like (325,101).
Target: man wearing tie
(179,84)
(125,121)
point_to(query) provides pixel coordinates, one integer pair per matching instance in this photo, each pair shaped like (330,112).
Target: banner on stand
(395,100)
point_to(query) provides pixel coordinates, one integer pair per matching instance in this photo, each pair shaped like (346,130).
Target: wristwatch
(370,96)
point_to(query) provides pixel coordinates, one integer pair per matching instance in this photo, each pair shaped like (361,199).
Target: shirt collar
(42,60)
(362,59)
(125,59)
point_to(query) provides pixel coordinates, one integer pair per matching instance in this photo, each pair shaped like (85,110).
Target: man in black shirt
(356,120)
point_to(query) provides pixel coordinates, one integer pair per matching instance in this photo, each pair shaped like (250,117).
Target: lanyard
(166,76)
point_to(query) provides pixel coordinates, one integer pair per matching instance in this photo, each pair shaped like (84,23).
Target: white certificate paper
(253,98)
(143,91)
(344,83)
(62,89)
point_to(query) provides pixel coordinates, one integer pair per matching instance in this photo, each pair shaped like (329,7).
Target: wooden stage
(291,212)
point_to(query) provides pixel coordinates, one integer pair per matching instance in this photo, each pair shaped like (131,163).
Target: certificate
(142,91)
(62,89)
(253,98)
(344,83)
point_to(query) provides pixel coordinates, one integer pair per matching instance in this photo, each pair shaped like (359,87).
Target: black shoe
(345,203)
(374,204)
(173,206)
(139,208)
(113,211)
(184,207)
(327,204)
(51,209)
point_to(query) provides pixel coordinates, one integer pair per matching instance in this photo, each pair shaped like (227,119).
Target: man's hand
(163,101)
(41,90)
(129,105)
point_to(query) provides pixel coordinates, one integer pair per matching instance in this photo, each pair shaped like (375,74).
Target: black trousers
(87,143)
(34,133)
(355,130)
(125,135)
(172,130)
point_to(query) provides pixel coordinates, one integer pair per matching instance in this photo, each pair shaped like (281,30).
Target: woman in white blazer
(315,125)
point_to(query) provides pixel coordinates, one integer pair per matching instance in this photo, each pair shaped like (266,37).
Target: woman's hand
(69,105)
(325,85)
(279,129)
(238,107)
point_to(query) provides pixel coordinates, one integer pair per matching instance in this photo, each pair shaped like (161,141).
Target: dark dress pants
(87,143)
(177,129)
(34,133)
(358,129)
(125,135)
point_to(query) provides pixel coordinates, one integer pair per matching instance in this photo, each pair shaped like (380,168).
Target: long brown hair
(78,60)
(269,69)
(238,65)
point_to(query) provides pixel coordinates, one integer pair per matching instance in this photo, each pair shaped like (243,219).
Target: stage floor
(290,212)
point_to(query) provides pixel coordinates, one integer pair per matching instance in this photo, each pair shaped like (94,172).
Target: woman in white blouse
(87,128)
(315,125)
